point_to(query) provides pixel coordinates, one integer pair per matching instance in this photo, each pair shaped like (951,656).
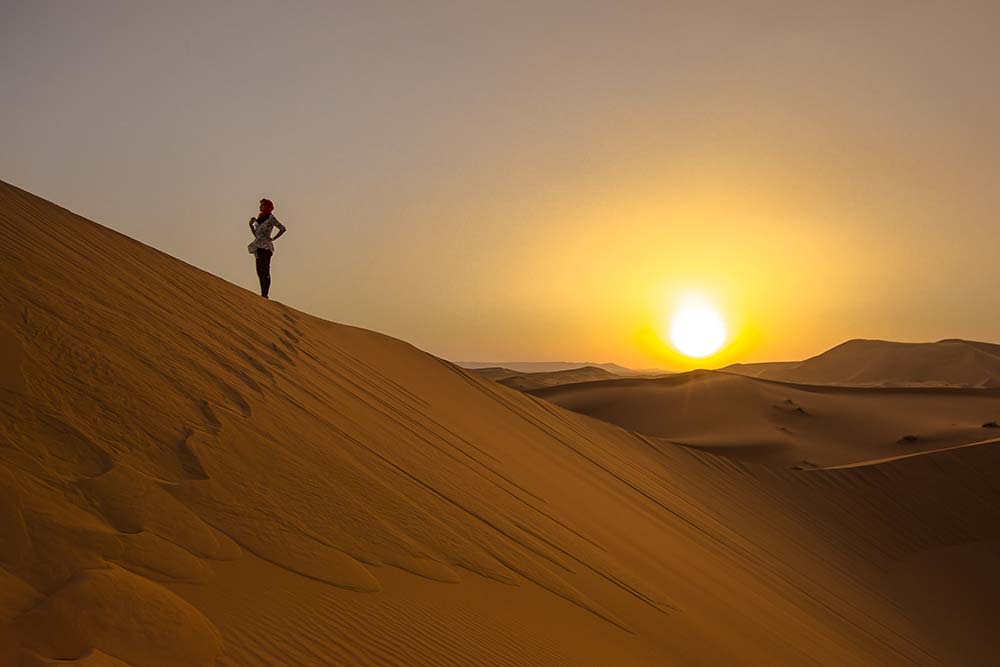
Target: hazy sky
(538,180)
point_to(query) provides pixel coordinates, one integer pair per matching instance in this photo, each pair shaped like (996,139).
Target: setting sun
(697,328)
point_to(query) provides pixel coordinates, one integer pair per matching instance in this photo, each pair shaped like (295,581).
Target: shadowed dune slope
(531,367)
(946,363)
(531,381)
(787,424)
(191,475)
(496,373)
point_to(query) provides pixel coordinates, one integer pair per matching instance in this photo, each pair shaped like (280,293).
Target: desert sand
(532,367)
(192,475)
(880,363)
(539,380)
(787,424)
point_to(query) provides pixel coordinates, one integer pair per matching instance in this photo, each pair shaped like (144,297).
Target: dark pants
(264,270)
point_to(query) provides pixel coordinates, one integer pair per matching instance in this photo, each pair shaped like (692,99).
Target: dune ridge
(780,423)
(192,475)
(945,363)
(532,367)
(531,381)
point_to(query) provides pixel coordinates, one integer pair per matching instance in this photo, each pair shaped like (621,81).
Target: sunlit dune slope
(787,424)
(946,363)
(191,475)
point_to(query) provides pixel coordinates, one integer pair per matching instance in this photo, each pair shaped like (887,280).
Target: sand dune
(531,381)
(527,367)
(946,363)
(787,424)
(191,475)
(496,373)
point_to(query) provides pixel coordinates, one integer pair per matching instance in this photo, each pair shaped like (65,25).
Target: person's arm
(281,230)
(252,230)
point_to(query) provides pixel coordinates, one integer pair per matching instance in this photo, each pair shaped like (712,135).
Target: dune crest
(880,363)
(532,381)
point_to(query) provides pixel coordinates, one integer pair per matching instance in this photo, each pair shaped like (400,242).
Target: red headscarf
(266,205)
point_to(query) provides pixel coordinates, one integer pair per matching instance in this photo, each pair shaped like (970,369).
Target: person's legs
(264,270)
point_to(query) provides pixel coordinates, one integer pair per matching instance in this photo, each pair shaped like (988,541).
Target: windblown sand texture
(191,475)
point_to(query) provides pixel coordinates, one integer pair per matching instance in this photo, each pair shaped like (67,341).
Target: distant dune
(786,424)
(193,476)
(530,381)
(554,367)
(497,373)
(946,363)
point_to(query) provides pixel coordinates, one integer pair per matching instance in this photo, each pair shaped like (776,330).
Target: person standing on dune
(262,246)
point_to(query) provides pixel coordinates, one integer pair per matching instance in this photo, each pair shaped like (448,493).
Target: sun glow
(697,328)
